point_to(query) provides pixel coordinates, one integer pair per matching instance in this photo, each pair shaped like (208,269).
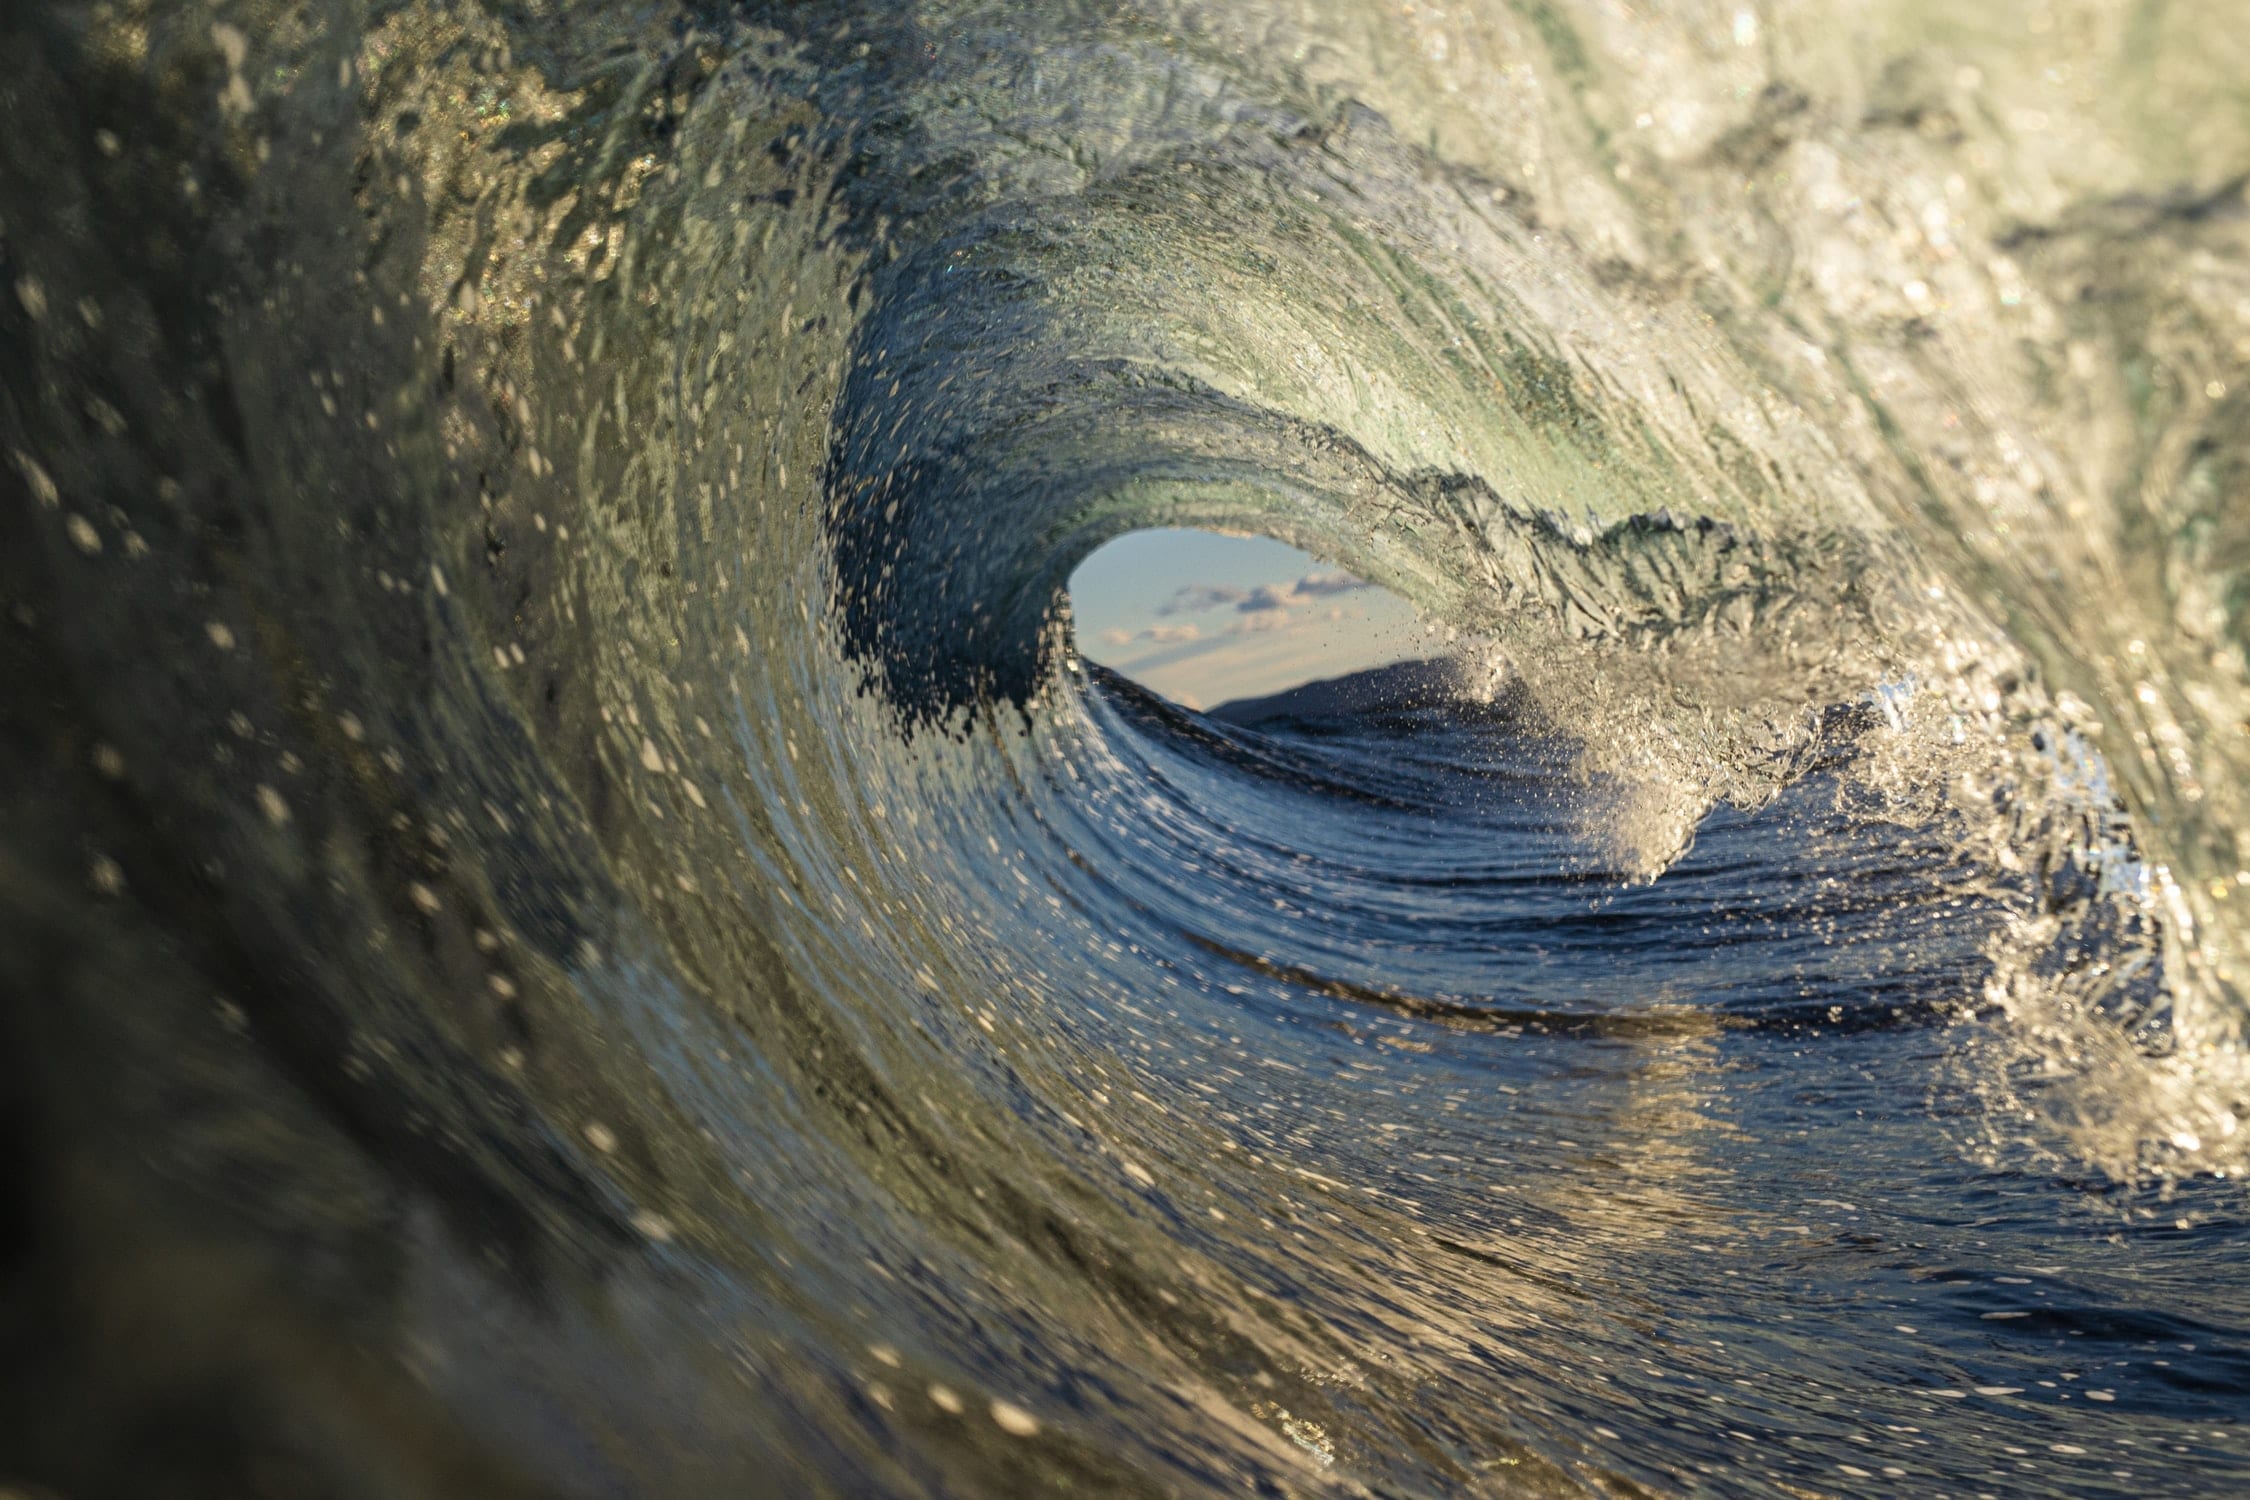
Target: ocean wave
(575,925)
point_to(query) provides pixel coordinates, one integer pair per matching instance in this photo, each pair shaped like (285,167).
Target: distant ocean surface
(573,922)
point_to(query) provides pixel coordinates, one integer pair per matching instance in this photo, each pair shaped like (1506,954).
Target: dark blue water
(1676,1167)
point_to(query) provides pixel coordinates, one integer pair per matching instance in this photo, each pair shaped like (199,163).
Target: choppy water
(572,924)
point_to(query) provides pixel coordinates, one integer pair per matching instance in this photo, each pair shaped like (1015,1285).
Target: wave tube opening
(1207,619)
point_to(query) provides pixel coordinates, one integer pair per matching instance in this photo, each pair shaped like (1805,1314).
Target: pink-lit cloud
(1266,598)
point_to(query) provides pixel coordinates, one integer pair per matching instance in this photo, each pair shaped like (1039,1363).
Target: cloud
(1262,621)
(1302,591)
(1161,635)
(1195,597)
(1321,585)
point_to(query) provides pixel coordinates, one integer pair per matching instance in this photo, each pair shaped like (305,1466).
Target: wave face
(573,924)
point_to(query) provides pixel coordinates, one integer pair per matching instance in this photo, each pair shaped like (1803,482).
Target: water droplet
(1014,1419)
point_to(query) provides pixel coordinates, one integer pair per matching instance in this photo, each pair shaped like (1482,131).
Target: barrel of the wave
(464,476)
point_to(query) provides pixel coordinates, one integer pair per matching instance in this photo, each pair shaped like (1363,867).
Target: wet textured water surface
(572,921)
